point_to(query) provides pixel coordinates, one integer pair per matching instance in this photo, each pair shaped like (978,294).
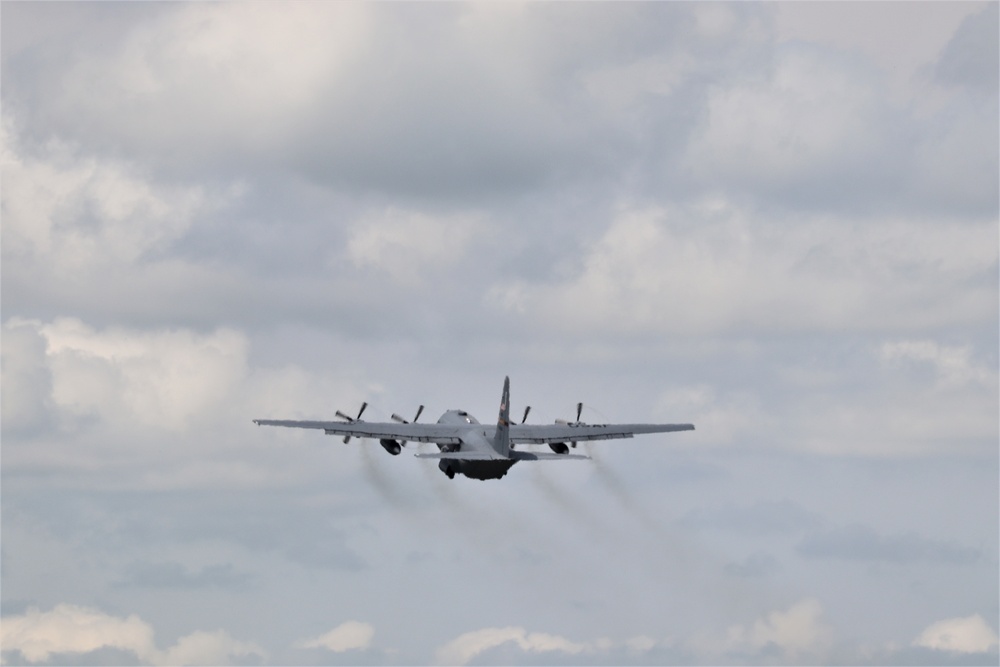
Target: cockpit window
(466,417)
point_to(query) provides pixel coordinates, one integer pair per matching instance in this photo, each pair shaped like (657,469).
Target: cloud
(218,212)
(972,55)
(348,636)
(106,406)
(710,269)
(812,121)
(921,397)
(162,379)
(465,647)
(860,543)
(207,648)
(720,417)
(970,634)
(753,566)
(796,633)
(407,245)
(73,212)
(953,364)
(822,130)
(69,629)
(90,234)
(176,576)
(373,98)
(780,517)
(26,380)
(215,76)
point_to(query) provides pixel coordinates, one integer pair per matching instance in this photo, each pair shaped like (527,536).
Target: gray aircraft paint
(475,450)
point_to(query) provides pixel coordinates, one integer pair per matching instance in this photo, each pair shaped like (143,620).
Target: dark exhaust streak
(616,486)
(374,473)
(562,500)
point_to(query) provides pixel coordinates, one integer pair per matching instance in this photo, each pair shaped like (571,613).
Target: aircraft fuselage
(472,440)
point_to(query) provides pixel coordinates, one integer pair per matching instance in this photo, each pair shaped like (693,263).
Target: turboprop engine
(559,447)
(391,446)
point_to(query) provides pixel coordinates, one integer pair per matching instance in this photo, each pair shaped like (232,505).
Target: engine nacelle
(559,447)
(390,446)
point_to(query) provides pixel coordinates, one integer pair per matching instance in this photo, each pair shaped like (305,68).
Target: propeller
(349,419)
(397,418)
(579,411)
(527,409)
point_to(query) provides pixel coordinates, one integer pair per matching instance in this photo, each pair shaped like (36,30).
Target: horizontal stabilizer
(463,456)
(544,456)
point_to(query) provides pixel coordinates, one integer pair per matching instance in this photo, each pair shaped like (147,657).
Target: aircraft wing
(473,455)
(539,434)
(444,434)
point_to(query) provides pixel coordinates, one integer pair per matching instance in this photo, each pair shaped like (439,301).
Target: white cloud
(822,129)
(798,632)
(970,634)
(640,643)
(205,648)
(25,379)
(75,214)
(71,629)
(83,401)
(409,245)
(718,419)
(465,647)
(232,76)
(163,379)
(811,116)
(620,87)
(710,268)
(953,364)
(922,31)
(348,636)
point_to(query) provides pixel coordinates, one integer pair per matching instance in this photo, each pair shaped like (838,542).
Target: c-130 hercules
(472,449)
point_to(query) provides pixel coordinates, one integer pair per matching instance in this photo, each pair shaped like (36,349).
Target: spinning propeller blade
(579,411)
(399,419)
(350,419)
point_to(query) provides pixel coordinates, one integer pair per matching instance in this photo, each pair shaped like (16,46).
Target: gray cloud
(672,212)
(176,576)
(754,566)
(972,57)
(781,517)
(860,543)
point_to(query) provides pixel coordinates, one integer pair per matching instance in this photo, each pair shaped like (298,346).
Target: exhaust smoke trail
(616,486)
(562,500)
(376,475)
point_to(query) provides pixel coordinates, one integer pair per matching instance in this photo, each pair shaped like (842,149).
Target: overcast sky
(778,222)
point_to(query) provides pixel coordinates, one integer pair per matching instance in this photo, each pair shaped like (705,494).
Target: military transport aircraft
(473,449)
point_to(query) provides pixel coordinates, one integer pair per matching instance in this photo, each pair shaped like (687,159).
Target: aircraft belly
(484,469)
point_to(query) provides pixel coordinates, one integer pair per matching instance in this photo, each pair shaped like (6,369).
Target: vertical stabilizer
(501,441)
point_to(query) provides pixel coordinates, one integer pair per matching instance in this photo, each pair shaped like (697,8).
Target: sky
(778,222)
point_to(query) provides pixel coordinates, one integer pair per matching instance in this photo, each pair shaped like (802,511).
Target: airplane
(475,450)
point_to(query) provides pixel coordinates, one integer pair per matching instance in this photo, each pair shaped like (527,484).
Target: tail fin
(501,441)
